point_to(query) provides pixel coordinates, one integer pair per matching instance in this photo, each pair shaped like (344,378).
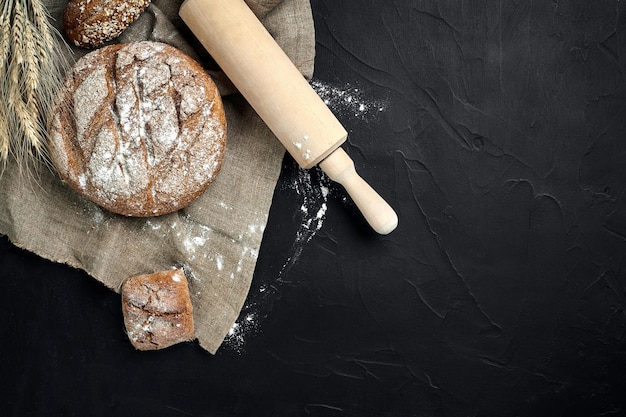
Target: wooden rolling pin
(282,97)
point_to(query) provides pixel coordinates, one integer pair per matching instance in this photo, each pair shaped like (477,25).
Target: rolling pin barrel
(282,97)
(266,77)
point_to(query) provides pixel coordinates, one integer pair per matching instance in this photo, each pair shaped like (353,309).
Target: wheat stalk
(4,52)
(31,67)
(4,135)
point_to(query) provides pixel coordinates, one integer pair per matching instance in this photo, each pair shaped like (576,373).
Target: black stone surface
(497,131)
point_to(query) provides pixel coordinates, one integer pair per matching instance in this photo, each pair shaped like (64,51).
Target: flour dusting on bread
(140,129)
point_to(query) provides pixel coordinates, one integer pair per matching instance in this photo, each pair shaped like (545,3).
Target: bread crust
(157,309)
(91,23)
(139,129)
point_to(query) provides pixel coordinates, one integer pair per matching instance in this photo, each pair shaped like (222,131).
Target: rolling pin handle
(378,213)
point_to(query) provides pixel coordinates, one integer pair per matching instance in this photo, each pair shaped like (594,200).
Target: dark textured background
(501,293)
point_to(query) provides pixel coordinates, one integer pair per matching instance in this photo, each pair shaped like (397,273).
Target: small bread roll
(91,23)
(139,129)
(157,310)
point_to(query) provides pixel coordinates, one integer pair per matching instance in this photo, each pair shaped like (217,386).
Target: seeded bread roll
(139,129)
(157,310)
(91,23)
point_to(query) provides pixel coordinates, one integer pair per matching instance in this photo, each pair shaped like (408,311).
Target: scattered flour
(195,242)
(313,187)
(246,326)
(314,194)
(349,100)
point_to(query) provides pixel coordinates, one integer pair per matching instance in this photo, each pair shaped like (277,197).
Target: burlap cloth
(217,238)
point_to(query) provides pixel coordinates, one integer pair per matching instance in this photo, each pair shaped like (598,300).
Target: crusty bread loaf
(139,129)
(157,310)
(91,23)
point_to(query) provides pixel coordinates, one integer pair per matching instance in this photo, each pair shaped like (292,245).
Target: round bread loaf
(91,23)
(138,128)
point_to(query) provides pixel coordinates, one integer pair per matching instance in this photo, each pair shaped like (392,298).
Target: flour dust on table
(313,188)
(247,325)
(349,100)
(312,212)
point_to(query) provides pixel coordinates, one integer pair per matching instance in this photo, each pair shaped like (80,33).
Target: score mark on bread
(157,310)
(139,129)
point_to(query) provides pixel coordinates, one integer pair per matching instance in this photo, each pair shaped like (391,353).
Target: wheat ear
(27,134)
(52,62)
(31,69)
(4,114)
